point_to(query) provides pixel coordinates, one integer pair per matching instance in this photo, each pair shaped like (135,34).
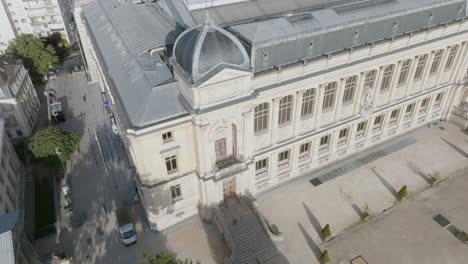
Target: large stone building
(38,17)
(223,98)
(19,104)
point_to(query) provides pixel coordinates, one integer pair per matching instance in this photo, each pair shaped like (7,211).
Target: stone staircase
(249,240)
(252,243)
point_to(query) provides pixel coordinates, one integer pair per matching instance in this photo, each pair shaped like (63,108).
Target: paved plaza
(301,210)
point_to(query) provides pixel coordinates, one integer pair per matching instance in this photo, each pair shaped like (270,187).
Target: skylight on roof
(298,18)
(359,5)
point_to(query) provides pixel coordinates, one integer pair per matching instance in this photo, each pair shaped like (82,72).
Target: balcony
(227,162)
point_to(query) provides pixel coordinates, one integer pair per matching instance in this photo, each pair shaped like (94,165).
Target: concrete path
(301,210)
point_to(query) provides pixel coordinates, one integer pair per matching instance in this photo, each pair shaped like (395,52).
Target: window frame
(261,172)
(167,136)
(369,79)
(284,158)
(387,76)
(171,164)
(329,94)
(404,72)
(304,151)
(308,103)
(261,118)
(176,192)
(452,56)
(285,110)
(349,89)
(420,67)
(436,61)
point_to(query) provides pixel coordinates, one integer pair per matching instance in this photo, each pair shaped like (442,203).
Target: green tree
(53,143)
(162,258)
(36,57)
(60,45)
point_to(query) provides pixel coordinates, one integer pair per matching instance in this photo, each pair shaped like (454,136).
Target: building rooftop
(125,34)
(274,33)
(8,68)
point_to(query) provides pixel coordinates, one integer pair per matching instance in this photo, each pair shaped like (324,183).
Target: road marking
(100,151)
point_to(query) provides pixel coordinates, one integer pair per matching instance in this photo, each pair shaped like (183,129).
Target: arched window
(261,117)
(285,109)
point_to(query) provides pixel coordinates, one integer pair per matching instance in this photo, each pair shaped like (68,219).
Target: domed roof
(202,48)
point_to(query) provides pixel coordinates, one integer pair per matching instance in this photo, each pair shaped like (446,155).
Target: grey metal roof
(179,11)
(291,38)
(203,48)
(8,222)
(257,9)
(142,82)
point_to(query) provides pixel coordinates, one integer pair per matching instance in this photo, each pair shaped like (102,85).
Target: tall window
(261,168)
(394,114)
(283,159)
(424,103)
(308,98)
(378,121)
(171,164)
(304,151)
(436,61)
(438,100)
(451,57)
(329,96)
(387,77)
(409,109)
(420,67)
(369,79)
(405,67)
(176,192)
(350,86)
(361,127)
(343,135)
(324,141)
(261,117)
(285,109)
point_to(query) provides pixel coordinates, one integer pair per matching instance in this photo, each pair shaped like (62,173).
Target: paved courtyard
(300,209)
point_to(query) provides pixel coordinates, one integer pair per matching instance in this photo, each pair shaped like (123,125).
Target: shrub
(326,232)
(403,192)
(432,180)
(324,258)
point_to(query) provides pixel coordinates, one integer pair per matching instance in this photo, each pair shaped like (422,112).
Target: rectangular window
(329,96)
(343,133)
(424,102)
(394,114)
(438,98)
(324,140)
(176,192)
(387,77)
(261,169)
(304,151)
(378,120)
(369,79)
(167,136)
(361,127)
(19,132)
(451,57)
(171,164)
(409,109)
(436,62)
(283,159)
(350,86)
(420,67)
(261,114)
(308,98)
(405,67)
(285,109)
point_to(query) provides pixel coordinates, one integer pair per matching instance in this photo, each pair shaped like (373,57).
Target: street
(101,181)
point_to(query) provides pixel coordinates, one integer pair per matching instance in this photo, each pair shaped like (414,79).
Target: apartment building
(19,104)
(259,92)
(41,18)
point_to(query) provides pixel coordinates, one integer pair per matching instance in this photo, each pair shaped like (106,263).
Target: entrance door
(229,188)
(220,149)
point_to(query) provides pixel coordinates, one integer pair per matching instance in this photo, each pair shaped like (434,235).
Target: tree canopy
(52,142)
(36,57)
(162,258)
(60,45)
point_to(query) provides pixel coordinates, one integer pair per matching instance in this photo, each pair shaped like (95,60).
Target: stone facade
(372,94)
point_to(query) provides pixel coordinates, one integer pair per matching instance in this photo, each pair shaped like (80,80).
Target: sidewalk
(301,210)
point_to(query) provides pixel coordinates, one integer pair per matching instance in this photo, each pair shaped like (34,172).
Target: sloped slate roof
(123,35)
